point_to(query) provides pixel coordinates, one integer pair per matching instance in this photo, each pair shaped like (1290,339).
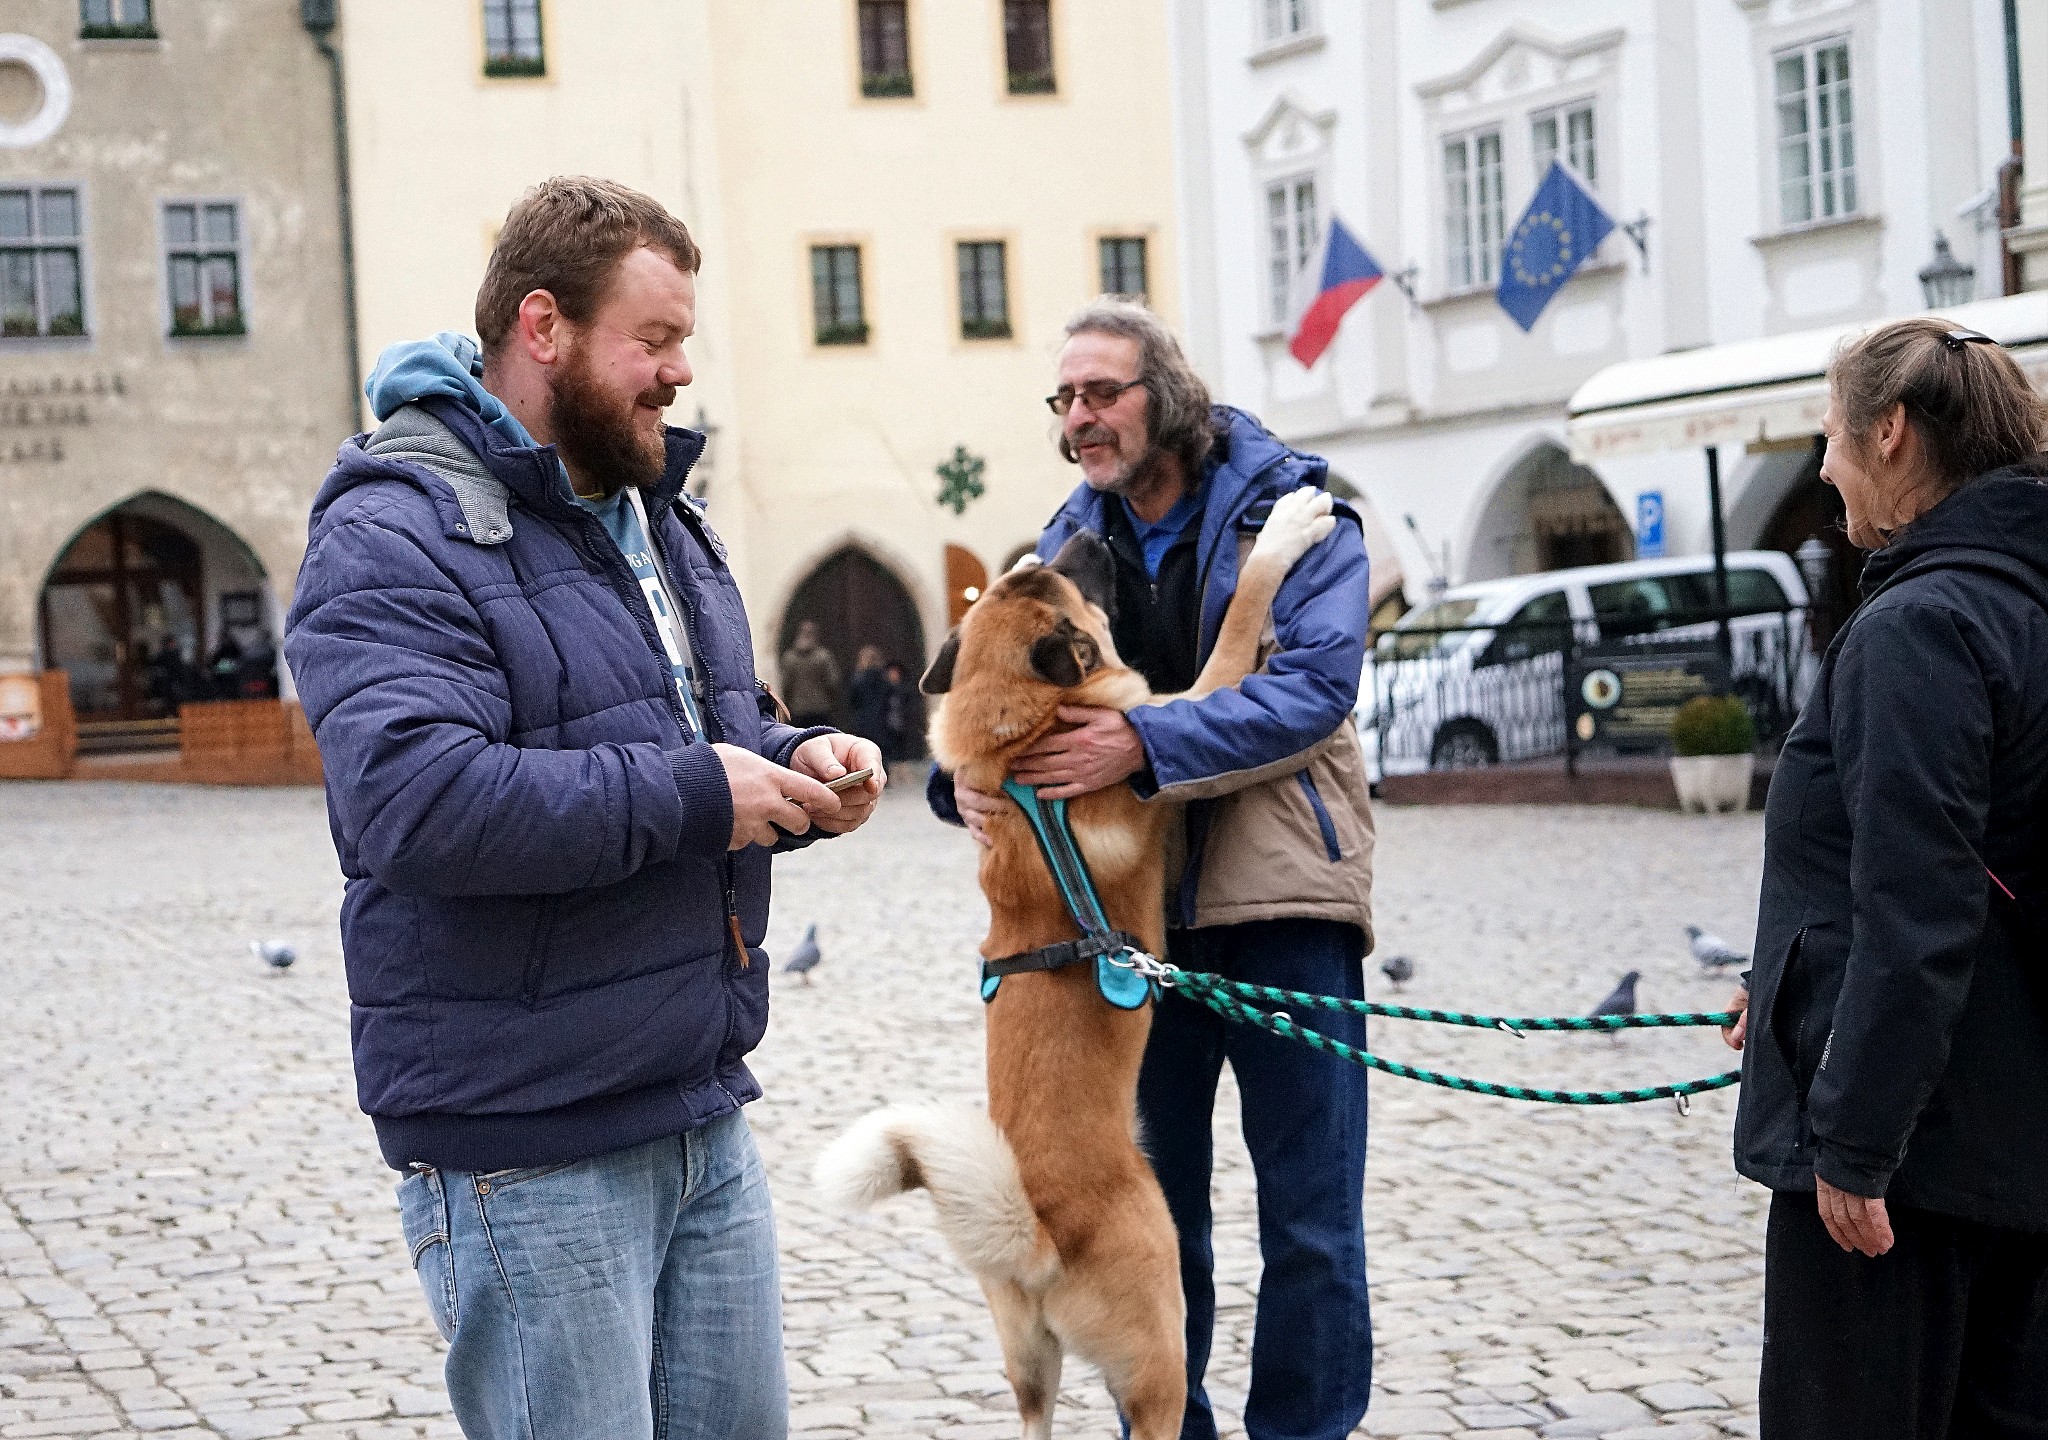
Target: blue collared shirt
(1156,539)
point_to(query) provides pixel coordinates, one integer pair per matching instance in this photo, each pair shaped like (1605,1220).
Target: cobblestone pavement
(197,1238)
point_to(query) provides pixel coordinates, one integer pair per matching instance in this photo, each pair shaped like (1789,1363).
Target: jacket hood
(2002,513)
(451,365)
(529,474)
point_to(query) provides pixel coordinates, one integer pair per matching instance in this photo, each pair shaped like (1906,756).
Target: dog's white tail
(957,1153)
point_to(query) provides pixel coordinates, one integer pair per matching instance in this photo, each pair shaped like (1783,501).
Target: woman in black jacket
(1895,1075)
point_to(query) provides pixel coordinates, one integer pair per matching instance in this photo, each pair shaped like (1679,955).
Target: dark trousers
(1304,1123)
(1943,1337)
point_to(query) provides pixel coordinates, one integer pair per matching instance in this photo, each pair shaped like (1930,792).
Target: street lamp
(1813,556)
(1815,559)
(1947,281)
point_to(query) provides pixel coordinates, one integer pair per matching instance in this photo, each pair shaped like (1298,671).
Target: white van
(1478,676)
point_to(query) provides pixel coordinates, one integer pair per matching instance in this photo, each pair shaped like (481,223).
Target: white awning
(1756,392)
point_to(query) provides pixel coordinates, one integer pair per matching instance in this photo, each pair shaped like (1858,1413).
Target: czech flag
(1348,273)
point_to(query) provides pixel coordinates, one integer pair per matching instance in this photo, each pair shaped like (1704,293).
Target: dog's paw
(1299,521)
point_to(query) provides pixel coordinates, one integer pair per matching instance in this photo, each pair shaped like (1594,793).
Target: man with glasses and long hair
(1276,888)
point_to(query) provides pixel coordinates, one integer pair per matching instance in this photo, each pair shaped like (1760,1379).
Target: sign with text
(38,412)
(1625,696)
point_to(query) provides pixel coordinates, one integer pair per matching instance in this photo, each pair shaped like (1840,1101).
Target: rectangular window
(1123,266)
(1816,133)
(984,291)
(41,262)
(885,48)
(1565,134)
(1475,223)
(1281,20)
(1027,45)
(116,20)
(512,38)
(838,316)
(203,265)
(1293,228)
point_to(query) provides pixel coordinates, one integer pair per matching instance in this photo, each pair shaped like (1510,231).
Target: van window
(1750,591)
(1658,602)
(1632,607)
(1420,631)
(1543,626)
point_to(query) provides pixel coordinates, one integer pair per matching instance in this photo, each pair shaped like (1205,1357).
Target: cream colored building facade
(173,378)
(2029,239)
(784,136)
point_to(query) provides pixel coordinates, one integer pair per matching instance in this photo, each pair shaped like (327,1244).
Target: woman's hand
(1738,1032)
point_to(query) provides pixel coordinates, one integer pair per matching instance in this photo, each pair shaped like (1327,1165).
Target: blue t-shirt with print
(621,521)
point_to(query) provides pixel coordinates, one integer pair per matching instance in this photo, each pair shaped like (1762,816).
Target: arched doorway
(1812,509)
(856,602)
(153,605)
(1548,513)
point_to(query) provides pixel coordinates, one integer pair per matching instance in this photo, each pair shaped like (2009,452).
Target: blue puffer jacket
(1279,825)
(539,923)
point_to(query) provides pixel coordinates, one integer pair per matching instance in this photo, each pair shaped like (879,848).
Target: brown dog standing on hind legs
(1046,1195)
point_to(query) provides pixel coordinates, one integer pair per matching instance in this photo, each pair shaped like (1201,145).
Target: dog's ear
(1086,561)
(938,677)
(1065,656)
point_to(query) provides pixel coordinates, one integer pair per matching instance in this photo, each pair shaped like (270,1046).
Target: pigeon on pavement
(1398,969)
(1712,951)
(274,953)
(1623,1000)
(805,957)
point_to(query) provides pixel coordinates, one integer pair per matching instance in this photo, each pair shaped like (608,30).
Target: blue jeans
(1304,1124)
(630,1295)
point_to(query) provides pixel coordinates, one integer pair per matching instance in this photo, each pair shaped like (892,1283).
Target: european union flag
(1561,227)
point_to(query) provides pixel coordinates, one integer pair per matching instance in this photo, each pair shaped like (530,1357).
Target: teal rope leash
(1216,992)
(1511,1023)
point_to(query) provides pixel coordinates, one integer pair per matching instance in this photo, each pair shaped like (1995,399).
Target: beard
(598,432)
(1132,478)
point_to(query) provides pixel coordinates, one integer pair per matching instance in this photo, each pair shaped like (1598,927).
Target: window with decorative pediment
(1522,84)
(1290,160)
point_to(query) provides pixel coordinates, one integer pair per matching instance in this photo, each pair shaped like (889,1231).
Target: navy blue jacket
(539,923)
(1898,1021)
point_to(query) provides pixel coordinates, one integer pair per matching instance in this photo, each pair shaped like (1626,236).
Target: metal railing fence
(1479,694)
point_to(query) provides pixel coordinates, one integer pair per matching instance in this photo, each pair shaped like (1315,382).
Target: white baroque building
(1793,159)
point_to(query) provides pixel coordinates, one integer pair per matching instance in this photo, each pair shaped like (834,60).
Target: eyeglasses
(1099,395)
(1957,339)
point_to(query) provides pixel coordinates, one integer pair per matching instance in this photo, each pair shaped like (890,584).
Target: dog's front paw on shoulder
(1299,521)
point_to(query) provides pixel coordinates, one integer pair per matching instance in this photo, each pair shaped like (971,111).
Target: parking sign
(1649,524)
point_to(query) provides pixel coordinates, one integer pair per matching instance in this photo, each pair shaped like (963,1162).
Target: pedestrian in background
(1277,885)
(868,697)
(810,678)
(1895,1053)
(904,723)
(555,785)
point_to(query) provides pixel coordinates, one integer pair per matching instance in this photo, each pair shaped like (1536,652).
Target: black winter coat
(1898,1034)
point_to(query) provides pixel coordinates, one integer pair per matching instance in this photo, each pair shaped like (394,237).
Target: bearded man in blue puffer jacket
(555,784)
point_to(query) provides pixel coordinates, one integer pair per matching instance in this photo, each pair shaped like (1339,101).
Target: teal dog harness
(1116,977)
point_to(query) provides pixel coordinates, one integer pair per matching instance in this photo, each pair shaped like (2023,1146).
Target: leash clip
(1158,971)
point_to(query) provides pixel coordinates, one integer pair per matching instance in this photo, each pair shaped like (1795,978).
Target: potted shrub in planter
(1714,751)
